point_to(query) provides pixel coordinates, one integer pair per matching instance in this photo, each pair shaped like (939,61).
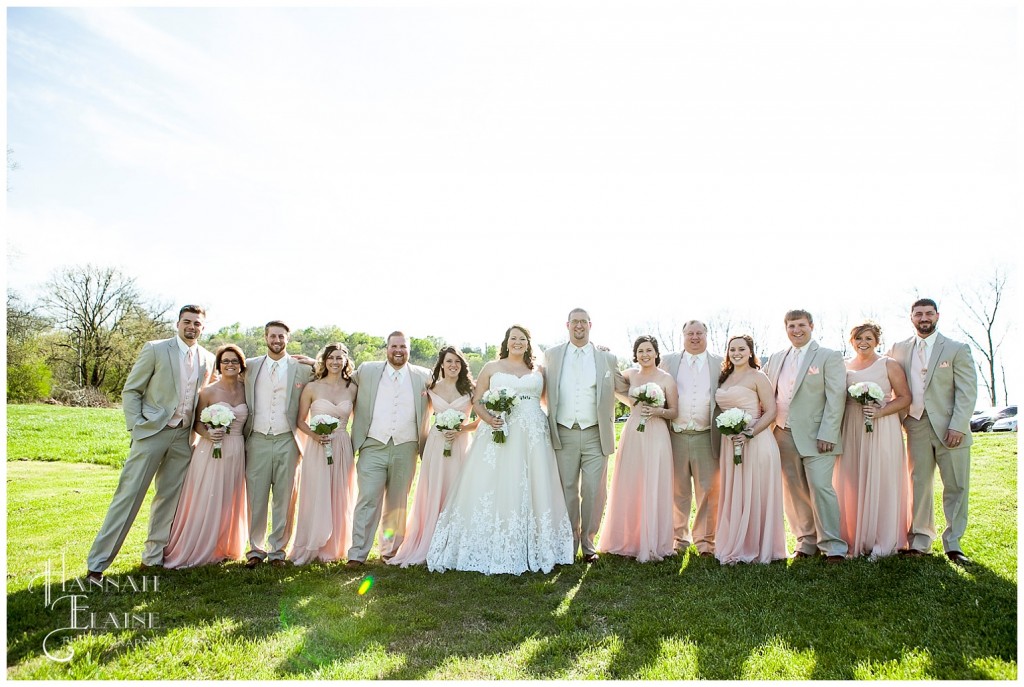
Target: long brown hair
(728,367)
(320,369)
(464,383)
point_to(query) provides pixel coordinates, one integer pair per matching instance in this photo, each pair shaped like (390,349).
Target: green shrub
(28,382)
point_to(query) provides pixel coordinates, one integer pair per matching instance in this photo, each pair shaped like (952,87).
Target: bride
(507,513)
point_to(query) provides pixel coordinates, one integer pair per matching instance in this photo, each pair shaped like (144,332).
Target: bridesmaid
(327,493)
(871,477)
(639,516)
(750,526)
(452,387)
(212,521)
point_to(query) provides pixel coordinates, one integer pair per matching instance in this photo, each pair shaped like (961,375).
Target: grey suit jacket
(609,380)
(819,398)
(950,385)
(151,393)
(298,376)
(367,376)
(670,363)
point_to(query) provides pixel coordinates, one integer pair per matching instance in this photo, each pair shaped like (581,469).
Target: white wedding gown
(507,514)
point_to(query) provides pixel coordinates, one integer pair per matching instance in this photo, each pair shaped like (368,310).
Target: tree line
(78,342)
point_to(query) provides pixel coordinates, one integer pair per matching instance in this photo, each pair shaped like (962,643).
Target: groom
(810,391)
(159,400)
(581,384)
(273,384)
(389,427)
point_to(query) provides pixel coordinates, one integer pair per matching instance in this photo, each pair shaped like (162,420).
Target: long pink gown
(438,477)
(638,520)
(872,477)
(212,521)
(750,525)
(327,493)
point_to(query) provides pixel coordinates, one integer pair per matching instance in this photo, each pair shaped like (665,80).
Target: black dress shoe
(911,553)
(94,576)
(958,558)
(835,560)
(591,558)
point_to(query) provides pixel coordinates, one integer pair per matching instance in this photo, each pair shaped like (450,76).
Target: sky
(449,169)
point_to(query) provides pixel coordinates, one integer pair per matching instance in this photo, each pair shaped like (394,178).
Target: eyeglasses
(575,323)
(232,363)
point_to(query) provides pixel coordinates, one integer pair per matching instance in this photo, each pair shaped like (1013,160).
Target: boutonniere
(298,385)
(607,374)
(812,370)
(423,393)
(944,363)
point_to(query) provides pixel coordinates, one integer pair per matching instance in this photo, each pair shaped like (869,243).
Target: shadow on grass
(677,619)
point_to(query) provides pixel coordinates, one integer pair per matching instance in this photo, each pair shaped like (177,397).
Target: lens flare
(365,585)
(389,534)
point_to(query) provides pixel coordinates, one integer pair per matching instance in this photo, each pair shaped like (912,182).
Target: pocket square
(812,370)
(944,363)
(607,374)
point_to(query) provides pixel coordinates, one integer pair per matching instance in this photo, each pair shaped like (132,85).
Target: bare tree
(12,165)
(104,319)
(983,302)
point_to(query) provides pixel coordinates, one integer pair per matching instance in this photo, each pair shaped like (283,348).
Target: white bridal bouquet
(731,422)
(215,416)
(650,394)
(323,425)
(448,419)
(500,401)
(865,393)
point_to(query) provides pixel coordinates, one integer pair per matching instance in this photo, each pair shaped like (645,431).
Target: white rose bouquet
(650,394)
(732,422)
(324,425)
(447,420)
(500,402)
(215,416)
(865,393)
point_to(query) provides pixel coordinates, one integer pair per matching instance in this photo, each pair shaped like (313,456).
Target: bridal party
(286,460)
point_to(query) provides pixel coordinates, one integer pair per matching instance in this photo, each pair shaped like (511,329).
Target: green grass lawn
(683,618)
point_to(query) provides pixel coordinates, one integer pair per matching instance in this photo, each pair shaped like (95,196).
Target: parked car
(1007,424)
(984,421)
(622,418)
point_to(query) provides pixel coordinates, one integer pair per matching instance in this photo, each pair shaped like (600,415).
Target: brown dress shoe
(800,554)
(706,554)
(835,560)
(590,558)
(911,553)
(94,576)
(252,562)
(279,563)
(354,564)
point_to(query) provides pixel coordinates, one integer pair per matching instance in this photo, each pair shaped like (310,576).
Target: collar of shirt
(801,349)
(928,343)
(587,348)
(392,370)
(282,364)
(183,348)
(699,358)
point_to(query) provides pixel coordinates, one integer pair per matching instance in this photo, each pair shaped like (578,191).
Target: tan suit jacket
(151,393)
(298,376)
(367,376)
(950,385)
(819,398)
(670,364)
(609,380)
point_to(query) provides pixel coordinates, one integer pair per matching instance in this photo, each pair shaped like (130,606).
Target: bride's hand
(494,421)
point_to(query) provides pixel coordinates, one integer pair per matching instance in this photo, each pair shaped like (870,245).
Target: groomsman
(810,389)
(159,400)
(695,439)
(273,384)
(581,384)
(944,389)
(388,430)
